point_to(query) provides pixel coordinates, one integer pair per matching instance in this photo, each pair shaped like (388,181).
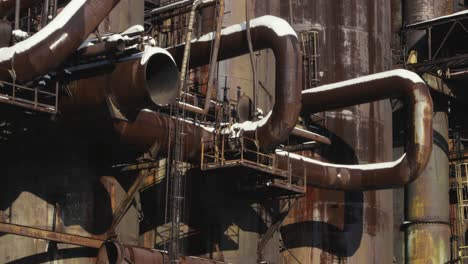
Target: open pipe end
(109,253)
(161,75)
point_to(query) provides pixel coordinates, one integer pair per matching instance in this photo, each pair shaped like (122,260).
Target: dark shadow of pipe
(61,254)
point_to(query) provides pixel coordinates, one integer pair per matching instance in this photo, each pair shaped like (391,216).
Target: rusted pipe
(303,133)
(140,81)
(51,46)
(396,83)
(113,252)
(251,55)
(151,131)
(214,58)
(8,5)
(269,33)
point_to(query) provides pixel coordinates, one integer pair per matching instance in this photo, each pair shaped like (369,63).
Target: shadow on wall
(340,241)
(58,165)
(215,213)
(61,254)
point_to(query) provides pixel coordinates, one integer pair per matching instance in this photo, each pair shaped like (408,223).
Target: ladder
(462,212)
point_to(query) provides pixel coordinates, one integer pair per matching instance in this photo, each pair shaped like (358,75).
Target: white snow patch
(238,128)
(20,34)
(134,30)
(378,76)
(364,167)
(278,25)
(114,38)
(150,51)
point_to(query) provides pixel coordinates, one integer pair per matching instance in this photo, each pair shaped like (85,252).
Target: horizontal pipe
(154,131)
(305,134)
(48,235)
(113,252)
(133,83)
(54,44)
(268,32)
(177,5)
(397,83)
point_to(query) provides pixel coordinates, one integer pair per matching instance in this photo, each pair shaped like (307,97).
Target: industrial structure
(233,131)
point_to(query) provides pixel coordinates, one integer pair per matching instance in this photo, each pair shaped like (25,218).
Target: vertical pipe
(427,200)
(17,13)
(45,13)
(427,203)
(252,56)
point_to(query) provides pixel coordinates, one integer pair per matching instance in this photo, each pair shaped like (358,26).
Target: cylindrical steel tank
(427,212)
(331,226)
(427,204)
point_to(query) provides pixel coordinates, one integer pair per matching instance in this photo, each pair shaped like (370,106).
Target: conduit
(51,46)
(269,33)
(397,83)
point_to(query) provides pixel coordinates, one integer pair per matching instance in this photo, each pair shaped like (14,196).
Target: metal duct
(154,132)
(113,252)
(268,32)
(140,81)
(51,46)
(8,5)
(397,83)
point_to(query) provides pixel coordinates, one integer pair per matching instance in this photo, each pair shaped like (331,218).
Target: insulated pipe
(396,83)
(268,32)
(8,5)
(113,252)
(51,46)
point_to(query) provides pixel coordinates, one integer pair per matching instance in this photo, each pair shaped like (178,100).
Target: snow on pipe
(268,32)
(397,83)
(52,45)
(8,5)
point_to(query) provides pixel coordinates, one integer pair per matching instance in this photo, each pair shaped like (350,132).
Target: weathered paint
(427,200)
(354,40)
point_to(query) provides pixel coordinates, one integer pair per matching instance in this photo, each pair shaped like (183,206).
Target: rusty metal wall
(56,179)
(331,226)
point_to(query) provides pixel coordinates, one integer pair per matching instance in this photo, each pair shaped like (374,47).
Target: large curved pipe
(51,46)
(132,83)
(268,32)
(7,5)
(397,83)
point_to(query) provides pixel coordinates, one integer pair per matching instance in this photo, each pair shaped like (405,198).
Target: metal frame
(220,154)
(12,97)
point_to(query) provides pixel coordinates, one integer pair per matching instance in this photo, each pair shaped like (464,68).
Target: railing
(230,152)
(227,151)
(29,98)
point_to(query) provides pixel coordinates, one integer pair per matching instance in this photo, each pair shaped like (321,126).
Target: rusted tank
(330,226)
